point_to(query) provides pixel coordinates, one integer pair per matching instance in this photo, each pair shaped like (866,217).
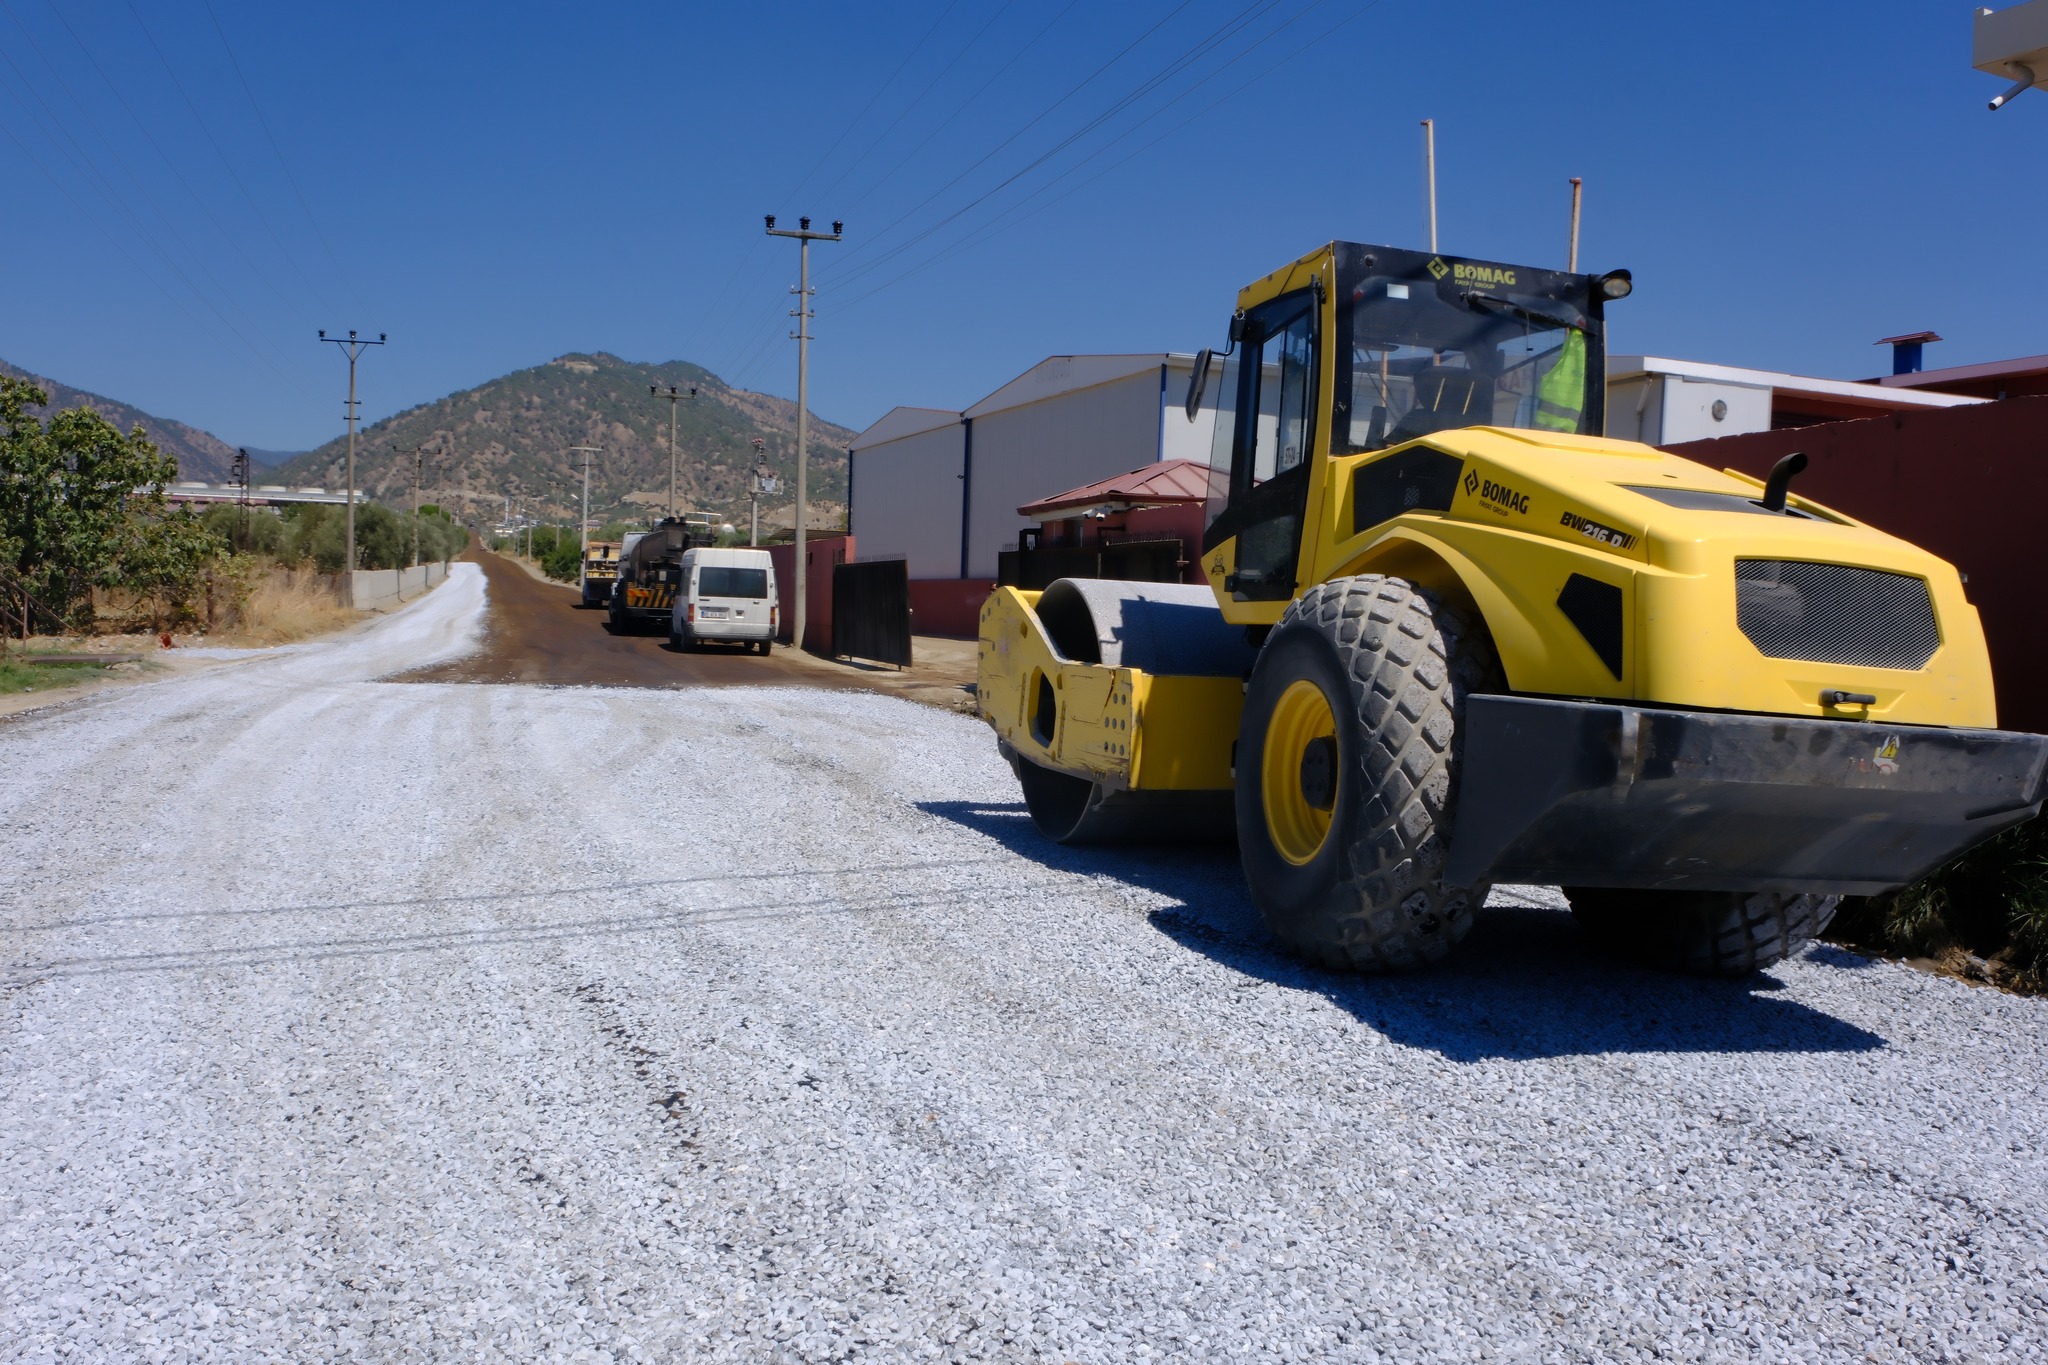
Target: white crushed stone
(348,1019)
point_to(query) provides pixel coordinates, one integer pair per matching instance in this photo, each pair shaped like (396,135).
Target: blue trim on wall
(966,486)
(1159,449)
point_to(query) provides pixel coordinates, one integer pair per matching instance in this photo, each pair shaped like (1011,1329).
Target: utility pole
(761,483)
(802,313)
(674,396)
(238,473)
(354,348)
(414,451)
(583,526)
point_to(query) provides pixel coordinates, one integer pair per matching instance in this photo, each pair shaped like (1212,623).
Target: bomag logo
(1497,497)
(1437,268)
(1481,275)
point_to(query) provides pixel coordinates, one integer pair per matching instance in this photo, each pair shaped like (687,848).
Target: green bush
(1991,904)
(384,537)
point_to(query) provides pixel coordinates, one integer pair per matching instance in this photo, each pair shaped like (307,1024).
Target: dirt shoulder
(941,672)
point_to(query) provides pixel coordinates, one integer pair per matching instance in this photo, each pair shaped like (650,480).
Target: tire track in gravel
(411,1067)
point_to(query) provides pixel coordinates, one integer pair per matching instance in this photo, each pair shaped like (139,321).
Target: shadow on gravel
(1523,985)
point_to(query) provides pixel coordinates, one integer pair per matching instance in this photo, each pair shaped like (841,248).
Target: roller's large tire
(1393,664)
(1706,933)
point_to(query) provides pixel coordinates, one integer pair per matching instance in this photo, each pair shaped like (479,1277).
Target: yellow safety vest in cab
(1561,397)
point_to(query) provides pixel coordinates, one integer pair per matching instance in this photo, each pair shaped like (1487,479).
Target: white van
(725,595)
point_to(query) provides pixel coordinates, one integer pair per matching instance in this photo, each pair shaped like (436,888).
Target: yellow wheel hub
(1297,778)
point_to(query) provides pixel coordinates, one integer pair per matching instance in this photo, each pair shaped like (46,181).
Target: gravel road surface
(367,1020)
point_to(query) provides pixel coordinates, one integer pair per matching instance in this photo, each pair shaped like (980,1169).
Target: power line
(846,129)
(277,151)
(1230,29)
(292,260)
(938,125)
(917,99)
(112,240)
(732,277)
(83,162)
(760,348)
(170,165)
(1036,119)
(997,227)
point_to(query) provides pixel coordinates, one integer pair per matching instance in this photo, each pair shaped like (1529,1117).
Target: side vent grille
(1595,608)
(1835,614)
(1414,480)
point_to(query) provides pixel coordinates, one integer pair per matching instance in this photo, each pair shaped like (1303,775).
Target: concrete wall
(906,501)
(1967,484)
(381,588)
(1018,455)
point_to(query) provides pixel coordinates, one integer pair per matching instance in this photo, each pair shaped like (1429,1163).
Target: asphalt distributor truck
(1453,636)
(650,570)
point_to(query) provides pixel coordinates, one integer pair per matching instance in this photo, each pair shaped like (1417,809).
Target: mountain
(511,438)
(200,454)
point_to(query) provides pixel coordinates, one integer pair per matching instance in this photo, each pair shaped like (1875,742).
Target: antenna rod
(1572,261)
(1429,164)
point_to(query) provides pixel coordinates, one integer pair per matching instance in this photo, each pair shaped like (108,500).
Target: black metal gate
(871,611)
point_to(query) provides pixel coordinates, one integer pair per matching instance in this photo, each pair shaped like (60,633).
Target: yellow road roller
(1453,636)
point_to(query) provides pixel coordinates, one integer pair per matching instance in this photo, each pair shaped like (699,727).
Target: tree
(71,490)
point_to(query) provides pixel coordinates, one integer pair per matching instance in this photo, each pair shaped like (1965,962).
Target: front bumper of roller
(1600,794)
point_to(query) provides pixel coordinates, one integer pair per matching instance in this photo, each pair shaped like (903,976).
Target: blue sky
(197,186)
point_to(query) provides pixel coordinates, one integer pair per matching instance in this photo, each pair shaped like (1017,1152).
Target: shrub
(1986,912)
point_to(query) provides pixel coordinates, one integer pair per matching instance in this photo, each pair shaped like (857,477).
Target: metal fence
(1146,561)
(871,611)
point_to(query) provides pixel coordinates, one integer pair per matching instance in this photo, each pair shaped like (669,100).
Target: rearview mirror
(1199,381)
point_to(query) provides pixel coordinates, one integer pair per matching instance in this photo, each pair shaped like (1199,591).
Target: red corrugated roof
(1168,481)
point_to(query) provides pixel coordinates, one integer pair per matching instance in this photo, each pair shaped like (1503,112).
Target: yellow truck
(600,571)
(1453,636)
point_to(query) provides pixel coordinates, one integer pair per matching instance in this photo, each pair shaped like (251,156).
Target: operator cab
(1421,343)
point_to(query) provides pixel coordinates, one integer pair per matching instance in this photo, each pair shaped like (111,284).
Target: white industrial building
(1668,402)
(941,489)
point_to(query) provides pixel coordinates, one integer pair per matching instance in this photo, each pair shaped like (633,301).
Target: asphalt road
(536,632)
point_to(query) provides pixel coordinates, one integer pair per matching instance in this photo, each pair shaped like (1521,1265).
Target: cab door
(1268,451)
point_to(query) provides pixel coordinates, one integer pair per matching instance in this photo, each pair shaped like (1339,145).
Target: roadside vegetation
(18,675)
(90,544)
(1984,916)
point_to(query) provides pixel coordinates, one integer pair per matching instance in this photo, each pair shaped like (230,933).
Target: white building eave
(1622,368)
(899,422)
(1059,374)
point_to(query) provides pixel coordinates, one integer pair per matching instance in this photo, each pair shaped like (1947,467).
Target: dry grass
(286,605)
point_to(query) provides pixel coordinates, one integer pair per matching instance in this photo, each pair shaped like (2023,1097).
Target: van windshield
(718,580)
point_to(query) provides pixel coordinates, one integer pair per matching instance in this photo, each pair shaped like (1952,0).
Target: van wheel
(766,645)
(1347,773)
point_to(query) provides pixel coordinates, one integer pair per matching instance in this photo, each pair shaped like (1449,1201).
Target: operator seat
(1446,397)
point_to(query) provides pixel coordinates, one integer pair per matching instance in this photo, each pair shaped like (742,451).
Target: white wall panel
(906,501)
(1026,453)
